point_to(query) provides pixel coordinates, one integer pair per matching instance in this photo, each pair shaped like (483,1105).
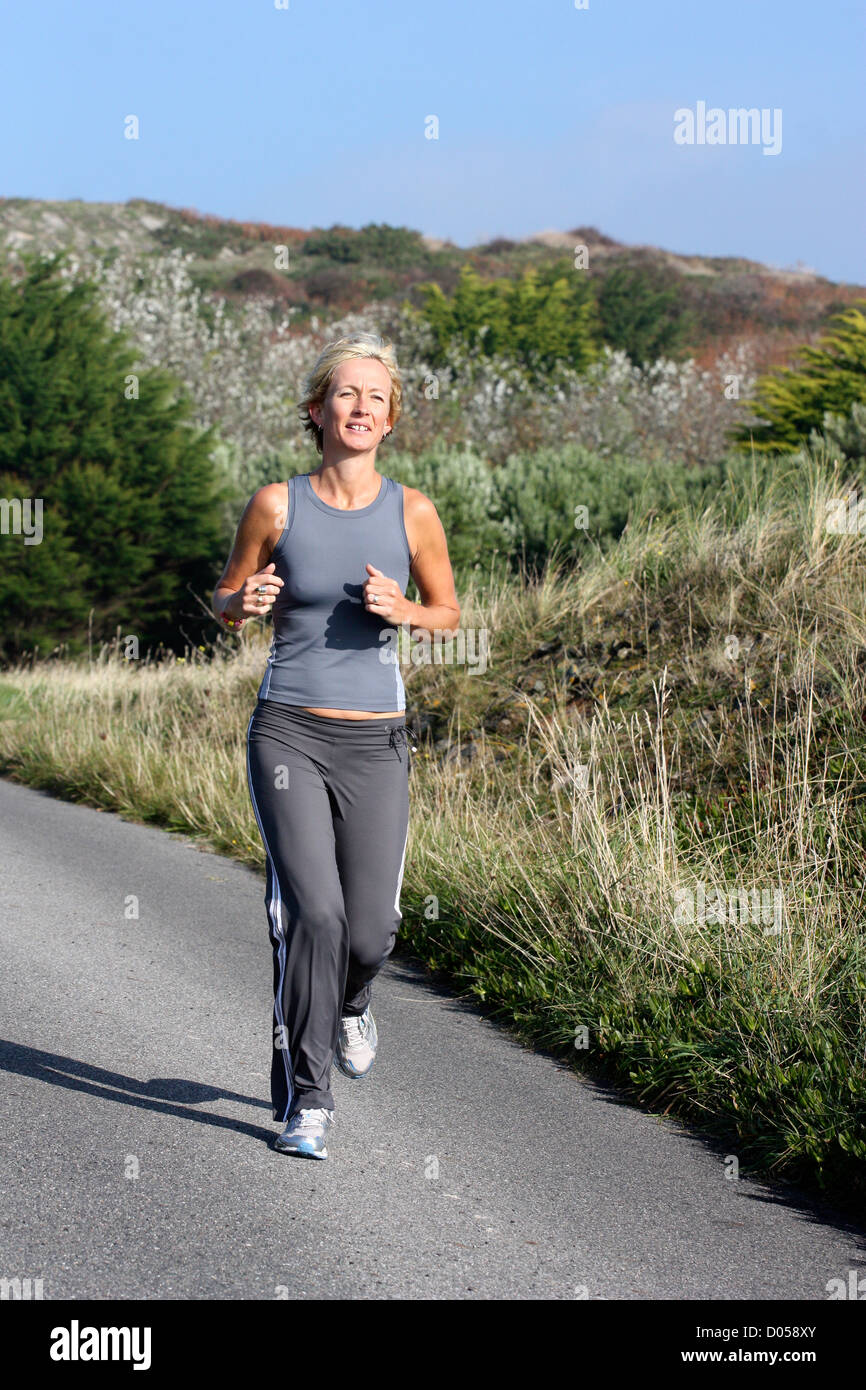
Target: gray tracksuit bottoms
(331,799)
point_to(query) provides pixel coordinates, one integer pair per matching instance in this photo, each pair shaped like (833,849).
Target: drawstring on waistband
(400,730)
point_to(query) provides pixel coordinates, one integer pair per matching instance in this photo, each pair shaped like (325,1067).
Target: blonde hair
(316,383)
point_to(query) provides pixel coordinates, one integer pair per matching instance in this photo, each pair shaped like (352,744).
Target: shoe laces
(355,1027)
(310,1119)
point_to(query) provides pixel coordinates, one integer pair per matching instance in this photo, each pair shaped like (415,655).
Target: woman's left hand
(390,603)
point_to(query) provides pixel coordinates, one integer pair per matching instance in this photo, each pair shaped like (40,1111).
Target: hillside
(340,270)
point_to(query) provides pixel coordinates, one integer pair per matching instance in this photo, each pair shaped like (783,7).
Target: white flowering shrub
(243,366)
(671,410)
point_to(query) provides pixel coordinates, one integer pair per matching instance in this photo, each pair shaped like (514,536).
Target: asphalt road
(136,1123)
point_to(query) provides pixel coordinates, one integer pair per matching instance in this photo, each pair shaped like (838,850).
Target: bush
(526,508)
(843,437)
(537,495)
(379,244)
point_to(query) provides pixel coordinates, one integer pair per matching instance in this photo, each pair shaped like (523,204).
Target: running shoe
(306,1132)
(356,1045)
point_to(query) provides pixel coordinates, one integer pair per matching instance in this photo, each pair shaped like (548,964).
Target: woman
(330,552)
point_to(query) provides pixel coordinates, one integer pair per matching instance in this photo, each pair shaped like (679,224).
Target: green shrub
(793,402)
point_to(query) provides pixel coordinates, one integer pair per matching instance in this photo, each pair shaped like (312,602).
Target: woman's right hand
(247,603)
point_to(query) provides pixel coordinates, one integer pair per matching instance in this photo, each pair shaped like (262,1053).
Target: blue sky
(549,117)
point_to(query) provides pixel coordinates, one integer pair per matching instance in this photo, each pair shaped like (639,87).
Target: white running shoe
(306,1132)
(356,1045)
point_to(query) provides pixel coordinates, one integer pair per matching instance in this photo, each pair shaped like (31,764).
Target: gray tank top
(326,649)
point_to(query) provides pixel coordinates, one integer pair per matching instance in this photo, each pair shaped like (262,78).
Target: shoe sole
(354,1075)
(299,1153)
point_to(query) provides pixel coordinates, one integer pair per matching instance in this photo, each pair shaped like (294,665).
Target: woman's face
(355,410)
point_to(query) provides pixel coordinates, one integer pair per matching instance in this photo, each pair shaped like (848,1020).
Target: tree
(792,402)
(641,314)
(131,520)
(538,320)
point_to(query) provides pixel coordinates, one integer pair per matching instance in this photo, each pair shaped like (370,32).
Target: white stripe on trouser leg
(275,917)
(400,878)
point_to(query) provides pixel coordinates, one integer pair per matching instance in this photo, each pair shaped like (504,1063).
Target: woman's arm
(431,570)
(258,531)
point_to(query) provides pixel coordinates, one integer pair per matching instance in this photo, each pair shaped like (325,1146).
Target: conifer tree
(131,521)
(792,402)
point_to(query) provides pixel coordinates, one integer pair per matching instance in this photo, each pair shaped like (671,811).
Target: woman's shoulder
(268,493)
(417,503)
(268,509)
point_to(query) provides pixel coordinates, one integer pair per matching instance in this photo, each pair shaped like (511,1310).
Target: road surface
(136,1122)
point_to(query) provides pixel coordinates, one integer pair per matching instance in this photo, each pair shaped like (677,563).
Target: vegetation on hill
(535,438)
(539,320)
(717,302)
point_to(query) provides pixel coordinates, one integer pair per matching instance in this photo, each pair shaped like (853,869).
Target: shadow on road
(168,1094)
